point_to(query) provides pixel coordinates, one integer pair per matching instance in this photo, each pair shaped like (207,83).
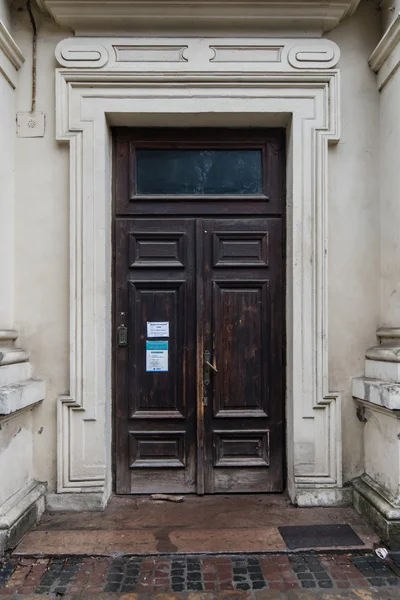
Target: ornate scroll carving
(319,56)
(73,53)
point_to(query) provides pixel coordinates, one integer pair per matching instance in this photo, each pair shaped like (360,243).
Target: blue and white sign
(156,357)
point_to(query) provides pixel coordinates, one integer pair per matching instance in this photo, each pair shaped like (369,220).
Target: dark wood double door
(199,311)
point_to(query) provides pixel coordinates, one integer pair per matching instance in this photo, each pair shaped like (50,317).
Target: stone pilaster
(21,497)
(377,394)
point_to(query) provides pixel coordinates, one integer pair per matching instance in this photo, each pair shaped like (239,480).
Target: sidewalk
(372,594)
(235,577)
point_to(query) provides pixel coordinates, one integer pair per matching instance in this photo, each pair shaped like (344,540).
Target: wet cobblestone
(174,574)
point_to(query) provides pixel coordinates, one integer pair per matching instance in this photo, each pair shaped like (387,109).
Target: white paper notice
(156,357)
(160,329)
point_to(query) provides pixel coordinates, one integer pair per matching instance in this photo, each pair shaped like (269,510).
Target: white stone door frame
(152,81)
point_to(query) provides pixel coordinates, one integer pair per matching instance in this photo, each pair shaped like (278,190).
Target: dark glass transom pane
(197,172)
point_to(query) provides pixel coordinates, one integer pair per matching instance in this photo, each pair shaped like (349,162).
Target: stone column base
(323,496)
(20,513)
(22,498)
(76,502)
(379,509)
(377,492)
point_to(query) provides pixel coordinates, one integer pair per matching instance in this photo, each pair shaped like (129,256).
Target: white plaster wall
(7,128)
(16,450)
(41,241)
(42,222)
(390,201)
(354,235)
(16,455)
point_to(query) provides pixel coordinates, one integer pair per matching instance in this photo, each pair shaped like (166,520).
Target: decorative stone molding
(388,349)
(9,353)
(197,80)
(11,57)
(379,392)
(18,389)
(385,59)
(122,55)
(381,384)
(138,16)
(20,395)
(82,56)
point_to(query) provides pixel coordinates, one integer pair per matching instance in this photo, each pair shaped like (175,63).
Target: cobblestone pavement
(246,575)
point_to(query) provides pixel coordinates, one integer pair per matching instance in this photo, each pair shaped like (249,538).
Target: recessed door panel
(159,249)
(157,394)
(240,321)
(157,449)
(240,248)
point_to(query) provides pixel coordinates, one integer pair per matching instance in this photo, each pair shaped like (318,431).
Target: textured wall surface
(354,216)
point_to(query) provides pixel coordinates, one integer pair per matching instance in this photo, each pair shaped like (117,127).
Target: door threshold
(240,524)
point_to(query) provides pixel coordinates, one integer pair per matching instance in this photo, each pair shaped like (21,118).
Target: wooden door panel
(156,411)
(240,326)
(157,395)
(243,296)
(240,249)
(157,449)
(236,448)
(157,250)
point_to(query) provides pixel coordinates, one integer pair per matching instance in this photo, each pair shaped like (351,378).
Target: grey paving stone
(308,584)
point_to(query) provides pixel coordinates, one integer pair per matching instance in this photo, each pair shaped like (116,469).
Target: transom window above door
(186,171)
(199,171)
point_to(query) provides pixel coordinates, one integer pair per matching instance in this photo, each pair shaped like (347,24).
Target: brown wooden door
(156,411)
(243,413)
(199,313)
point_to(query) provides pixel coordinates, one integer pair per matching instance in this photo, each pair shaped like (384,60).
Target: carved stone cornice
(133,16)
(11,57)
(385,59)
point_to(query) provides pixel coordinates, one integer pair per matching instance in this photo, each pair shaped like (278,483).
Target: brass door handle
(207,359)
(207,381)
(207,362)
